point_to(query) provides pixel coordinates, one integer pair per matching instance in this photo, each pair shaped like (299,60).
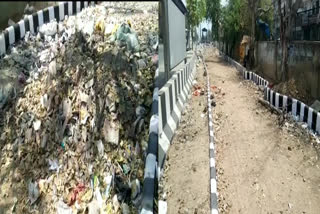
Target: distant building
(306,25)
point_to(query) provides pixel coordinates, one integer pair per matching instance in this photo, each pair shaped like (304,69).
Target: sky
(224,2)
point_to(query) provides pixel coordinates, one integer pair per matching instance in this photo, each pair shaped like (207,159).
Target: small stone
(108,29)
(100,148)
(141,64)
(22,78)
(135,188)
(28,135)
(53,68)
(17,176)
(44,101)
(36,125)
(115,203)
(44,141)
(125,208)
(89,83)
(94,207)
(84,97)
(111,131)
(33,192)
(11,23)
(49,29)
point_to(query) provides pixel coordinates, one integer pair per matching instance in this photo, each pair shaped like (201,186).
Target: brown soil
(261,167)
(186,174)
(293,89)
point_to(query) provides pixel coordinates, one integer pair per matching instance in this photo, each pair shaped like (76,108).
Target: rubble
(11,22)
(68,126)
(294,88)
(49,29)
(198,90)
(316,105)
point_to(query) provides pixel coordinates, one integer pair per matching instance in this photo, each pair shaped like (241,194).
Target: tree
(213,14)
(253,5)
(258,8)
(196,13)
(232,24)
(287,12)
(236,21)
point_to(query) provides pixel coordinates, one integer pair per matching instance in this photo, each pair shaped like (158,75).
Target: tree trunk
(284,42)
(284,60)
(253,6)
(192,39)
(286,18)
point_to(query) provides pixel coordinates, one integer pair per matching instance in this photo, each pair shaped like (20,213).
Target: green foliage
(233,16)
(235,19)
(213,14)
(196,11)
(267,16)
(231,22)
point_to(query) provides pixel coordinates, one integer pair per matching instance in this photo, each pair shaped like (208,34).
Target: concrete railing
(172,98)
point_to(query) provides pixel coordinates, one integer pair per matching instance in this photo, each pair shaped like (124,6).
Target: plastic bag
(62,208)
(100,148)
(126,36)
(132,42)
(33,192)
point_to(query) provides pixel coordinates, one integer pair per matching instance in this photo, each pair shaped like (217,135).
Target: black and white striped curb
(32,22)
(300,111)
(172,97)
(151,163)
(213,175)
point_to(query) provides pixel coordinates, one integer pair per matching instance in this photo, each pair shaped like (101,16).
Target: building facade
(306,24)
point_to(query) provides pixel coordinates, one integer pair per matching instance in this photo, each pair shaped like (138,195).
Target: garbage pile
(74,119)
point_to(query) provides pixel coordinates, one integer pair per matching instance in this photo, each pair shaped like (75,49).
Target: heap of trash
(75,112)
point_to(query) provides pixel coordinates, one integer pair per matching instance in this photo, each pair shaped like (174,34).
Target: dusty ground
(186,174)
(295,89)
(262,167)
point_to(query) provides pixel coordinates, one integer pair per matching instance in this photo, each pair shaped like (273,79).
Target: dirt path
(186,176)
(262,168)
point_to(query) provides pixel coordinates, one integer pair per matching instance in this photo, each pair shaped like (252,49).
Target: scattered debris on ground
(299,128)
(293,89)
(198,90)
(265,158)
(187,161)
(75,107)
